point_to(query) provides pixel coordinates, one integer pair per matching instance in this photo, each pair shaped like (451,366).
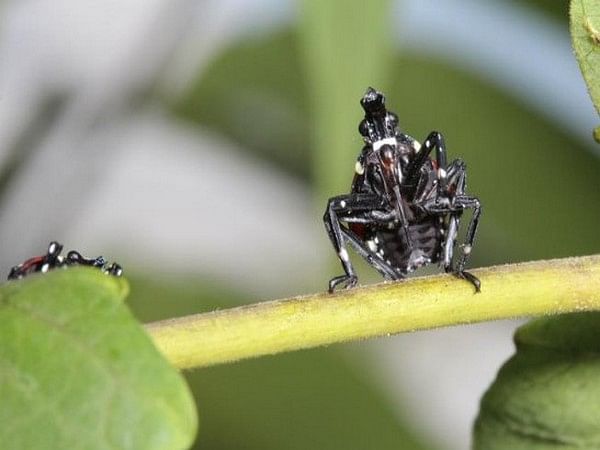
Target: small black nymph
(53,259)
(404,207)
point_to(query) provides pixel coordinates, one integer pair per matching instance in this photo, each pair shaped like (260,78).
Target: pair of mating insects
(402,213)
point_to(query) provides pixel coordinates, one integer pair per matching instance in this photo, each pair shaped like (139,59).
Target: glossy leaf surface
(547,396)
(77,371)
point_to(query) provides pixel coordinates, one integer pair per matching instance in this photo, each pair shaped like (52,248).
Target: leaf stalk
(266,328)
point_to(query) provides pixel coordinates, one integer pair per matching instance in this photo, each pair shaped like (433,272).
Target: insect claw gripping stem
(349,281)
(404,207)
(469,277)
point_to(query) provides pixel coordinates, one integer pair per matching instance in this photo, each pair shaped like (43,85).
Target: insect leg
(457,176)
(354,208)
(472,203)
(378,263)
(75,258)
(463,202)
(335,206)
(455,211)
(449,242)
(433,140)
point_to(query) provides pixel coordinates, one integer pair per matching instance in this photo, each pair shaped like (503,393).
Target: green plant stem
(510,291)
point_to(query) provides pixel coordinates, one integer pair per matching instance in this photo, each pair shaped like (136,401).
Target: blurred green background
(272,88)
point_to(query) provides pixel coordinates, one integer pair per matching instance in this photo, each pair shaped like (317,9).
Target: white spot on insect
(343,203)
(467,249)
(372,246)
(376,240)
(380,143)
(416,145)
(343,255)
(380,252)
(358,168)
(45,268)
(441,173)
(427,143)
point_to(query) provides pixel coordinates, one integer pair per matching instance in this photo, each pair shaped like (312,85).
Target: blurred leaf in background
(534,180)
(255,93)
(346,48)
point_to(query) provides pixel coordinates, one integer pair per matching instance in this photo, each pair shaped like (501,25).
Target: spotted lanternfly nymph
(53,259)
(404,207)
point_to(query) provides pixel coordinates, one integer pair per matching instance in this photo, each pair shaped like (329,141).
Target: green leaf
(347,47)
(78,372)
(253,93)
(585,33)
(547,396)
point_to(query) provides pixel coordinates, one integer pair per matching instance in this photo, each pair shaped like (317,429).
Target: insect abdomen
(426,240)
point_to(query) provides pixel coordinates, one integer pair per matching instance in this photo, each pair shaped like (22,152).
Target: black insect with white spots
(53,260)
(404,207)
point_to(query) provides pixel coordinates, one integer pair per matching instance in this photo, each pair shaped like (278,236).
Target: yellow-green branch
(530,289)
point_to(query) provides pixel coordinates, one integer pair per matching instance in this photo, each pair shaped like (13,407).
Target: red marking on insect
(32,263)
(358,229)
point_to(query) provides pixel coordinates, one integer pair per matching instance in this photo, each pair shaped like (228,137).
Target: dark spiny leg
(457,176)
(472,203)
(334,230)
(460,203)
(449,243)
(463,202)
(448,254)
(378,263)
(74,257)
(433,140)
(354,208)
